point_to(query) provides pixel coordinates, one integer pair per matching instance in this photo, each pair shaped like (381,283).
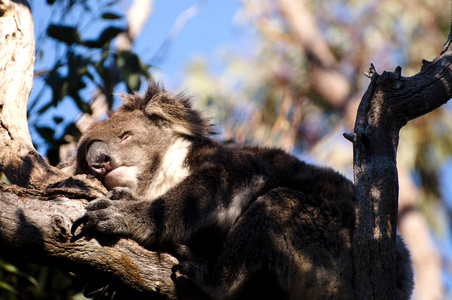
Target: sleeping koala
(274,214)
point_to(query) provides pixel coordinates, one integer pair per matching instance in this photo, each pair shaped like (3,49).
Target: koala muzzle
(99,159)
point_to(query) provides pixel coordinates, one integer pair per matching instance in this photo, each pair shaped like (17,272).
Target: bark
(388,104)
(16,79)
(36,224)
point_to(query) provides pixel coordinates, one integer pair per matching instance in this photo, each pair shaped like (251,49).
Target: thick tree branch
(16,79)
(388,104)
(36,225)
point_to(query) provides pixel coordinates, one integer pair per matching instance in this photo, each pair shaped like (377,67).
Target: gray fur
(275,215)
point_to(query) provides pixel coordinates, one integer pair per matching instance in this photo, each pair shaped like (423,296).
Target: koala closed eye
(125,136)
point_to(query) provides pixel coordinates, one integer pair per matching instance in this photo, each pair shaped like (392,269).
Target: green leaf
(46,133)
(105,37)
(130,67)
(65,34)
(111,16)
(7,287)
(14,270)
(58,120)
(59,86)
(133,81)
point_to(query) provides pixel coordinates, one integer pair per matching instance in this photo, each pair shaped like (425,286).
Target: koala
(269,214)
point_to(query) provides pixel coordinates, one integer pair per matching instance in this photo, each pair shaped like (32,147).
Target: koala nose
(99,159)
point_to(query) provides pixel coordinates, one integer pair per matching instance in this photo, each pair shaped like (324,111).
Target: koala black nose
(98,158)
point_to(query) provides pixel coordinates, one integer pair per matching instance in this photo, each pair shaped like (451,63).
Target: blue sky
(213,28)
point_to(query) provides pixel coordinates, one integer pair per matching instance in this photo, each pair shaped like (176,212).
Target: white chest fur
(171,171)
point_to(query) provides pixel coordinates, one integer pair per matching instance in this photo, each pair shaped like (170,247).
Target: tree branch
(36,225)
(388,104)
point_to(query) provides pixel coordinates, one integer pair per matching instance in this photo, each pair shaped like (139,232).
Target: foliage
(19,280)
(85,64)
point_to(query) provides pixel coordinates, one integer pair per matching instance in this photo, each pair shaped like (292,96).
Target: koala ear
(178,112)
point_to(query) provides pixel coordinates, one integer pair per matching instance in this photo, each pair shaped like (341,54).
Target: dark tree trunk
(388,104)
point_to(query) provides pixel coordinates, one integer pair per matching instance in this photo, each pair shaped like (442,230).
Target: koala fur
(270,212)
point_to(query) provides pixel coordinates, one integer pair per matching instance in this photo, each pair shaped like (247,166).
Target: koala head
(128,148)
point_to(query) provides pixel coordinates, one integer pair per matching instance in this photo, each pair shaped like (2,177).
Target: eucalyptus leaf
(105,37)
(65,34)
(111,16)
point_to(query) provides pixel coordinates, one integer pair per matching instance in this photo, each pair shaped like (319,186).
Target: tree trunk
(388,104)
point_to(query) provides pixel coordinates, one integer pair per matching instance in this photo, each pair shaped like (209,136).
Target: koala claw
(97,218)
(184,267)
(99,203)
(77,224)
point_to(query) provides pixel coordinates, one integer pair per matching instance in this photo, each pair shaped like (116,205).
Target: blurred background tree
(292,80)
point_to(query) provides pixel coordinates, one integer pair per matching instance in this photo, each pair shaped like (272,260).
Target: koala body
(271,213)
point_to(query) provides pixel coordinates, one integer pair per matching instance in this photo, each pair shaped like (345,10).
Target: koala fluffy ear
(175,109)
(178,112)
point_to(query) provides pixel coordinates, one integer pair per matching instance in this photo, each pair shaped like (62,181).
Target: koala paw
(102,216)
(120,193)
(182,252)
(195,268)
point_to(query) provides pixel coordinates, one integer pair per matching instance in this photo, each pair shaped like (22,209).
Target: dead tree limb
(388,104)
(36,224)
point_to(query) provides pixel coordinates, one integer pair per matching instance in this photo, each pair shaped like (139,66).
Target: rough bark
(16,79)
(36,224)
(389,103)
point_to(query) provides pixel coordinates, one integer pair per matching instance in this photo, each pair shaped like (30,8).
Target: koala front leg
(105,217)
(173,217)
